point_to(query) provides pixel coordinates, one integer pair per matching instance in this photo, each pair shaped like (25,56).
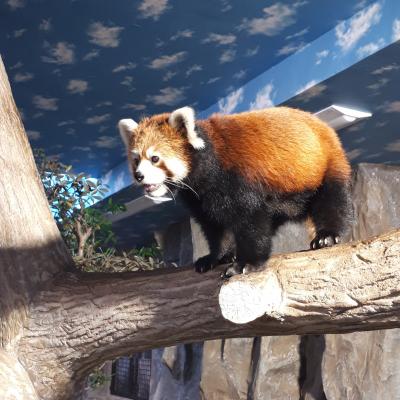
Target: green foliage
(147,252)
(97,378)
(69,197)
(86,230)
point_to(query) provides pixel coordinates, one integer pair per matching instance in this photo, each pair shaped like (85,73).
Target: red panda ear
(184,119)
(126,130)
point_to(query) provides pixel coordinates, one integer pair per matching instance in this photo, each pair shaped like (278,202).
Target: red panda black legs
(214,235)
(253,245)
(331,212)
(221,244)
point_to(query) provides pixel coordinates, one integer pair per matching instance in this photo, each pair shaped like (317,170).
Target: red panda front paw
(324,239)
(204,264)
(232,270)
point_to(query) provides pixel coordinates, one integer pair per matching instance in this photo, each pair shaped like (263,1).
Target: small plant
(98,378)
(86,230)
(69,197)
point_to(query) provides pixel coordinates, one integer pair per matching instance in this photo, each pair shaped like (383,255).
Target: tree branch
(85,319)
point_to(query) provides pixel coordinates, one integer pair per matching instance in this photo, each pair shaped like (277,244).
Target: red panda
(247,174)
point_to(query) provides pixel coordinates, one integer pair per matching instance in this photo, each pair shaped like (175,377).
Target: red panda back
(289,150)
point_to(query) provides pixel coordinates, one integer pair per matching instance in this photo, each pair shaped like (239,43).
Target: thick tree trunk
(31,249)
(56,326)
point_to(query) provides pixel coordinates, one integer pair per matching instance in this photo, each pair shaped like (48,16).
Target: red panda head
(159,148)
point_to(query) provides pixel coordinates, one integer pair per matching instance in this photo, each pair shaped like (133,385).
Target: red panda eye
(155,159)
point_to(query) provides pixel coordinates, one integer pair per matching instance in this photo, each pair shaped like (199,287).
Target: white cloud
(275,19)
(307,86)
(167,61)
(361,4)
(64,123)
(182,34)
(124,67)
(106,142)
(92,54)
(379,84)
(104,104)
(370,48)
(349,33)
(194,68)
(227,56)
(168,96)
(98,119)
(298,34)
(353,154)
(70,131)
(135,107)
(263,98)
(45,25)
(168,76)
(23,77)
(159,43)
(311,90)
(252,52)
(104,36)
(33,135)
(212,80)
(396,30)
(392,107)
(45,103)
(153,8)
(37,115)
(17,65)
(61,53)
(394,146)
(290,48)
(229,103)
(386,68)
(15,4)
(77,86)
(19,32)
(226,6)
(240,74)
(321,55)
(103,128)
(81,148)
(128,82)
(219,39)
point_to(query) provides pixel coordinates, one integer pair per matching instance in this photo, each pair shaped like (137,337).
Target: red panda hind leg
(331,211)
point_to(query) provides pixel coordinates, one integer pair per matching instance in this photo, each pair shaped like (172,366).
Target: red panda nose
(139,176)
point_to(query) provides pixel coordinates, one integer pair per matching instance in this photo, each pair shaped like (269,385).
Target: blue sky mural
(302,76)
(76,67)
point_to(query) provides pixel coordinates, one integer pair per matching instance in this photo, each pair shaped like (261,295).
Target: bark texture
(82,320)
(56,326)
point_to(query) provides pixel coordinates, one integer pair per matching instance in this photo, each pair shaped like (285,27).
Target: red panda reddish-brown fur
(247,174)
(287,149)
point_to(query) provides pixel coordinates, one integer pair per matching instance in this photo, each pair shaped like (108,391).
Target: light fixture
(338,117)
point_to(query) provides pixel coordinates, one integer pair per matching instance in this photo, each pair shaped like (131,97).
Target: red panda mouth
(151,187)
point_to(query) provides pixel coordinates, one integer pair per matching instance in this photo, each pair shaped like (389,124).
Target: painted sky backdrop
(321,73)
(77,67)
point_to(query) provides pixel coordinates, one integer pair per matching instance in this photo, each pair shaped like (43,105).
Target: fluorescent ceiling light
(339,117)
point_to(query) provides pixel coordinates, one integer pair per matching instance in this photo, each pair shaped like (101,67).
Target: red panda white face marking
(157,153)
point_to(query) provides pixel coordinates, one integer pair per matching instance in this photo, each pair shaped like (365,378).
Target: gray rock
(366,365)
